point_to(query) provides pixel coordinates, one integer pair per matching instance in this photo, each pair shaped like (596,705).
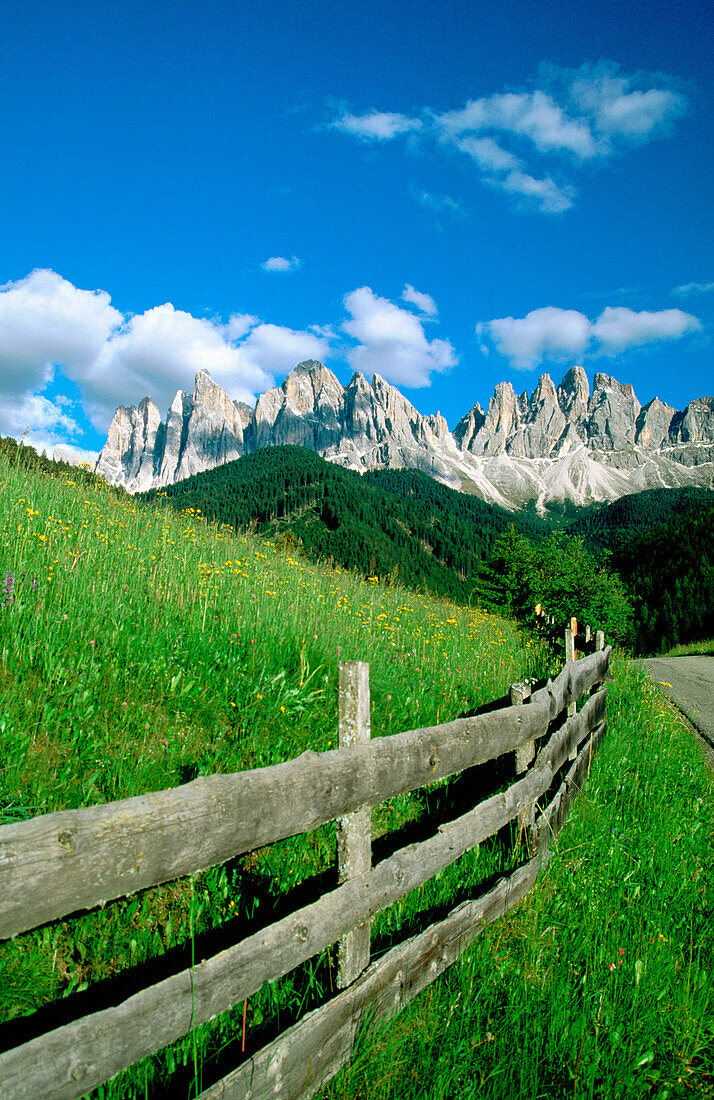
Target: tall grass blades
(600,983)
(140,649)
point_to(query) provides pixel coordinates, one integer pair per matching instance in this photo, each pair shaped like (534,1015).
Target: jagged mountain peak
(574,395)
(559,443)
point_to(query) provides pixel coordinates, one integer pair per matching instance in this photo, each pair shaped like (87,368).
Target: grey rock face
(543,424)
(574,396)
(558,444)
(305,411)
(695,424)
(653,424)
(612,415)
(133,446)
(502,420)
(212,433)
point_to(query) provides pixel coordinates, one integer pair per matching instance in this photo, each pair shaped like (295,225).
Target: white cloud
(159,351)
(424,302)
(618,328)
(620,110)
(573,116)
(543,194)
(563,335)
(238,325)
(281,263)
(376,125)
(37,418)
(488,154)
(273,349)
(392,341)
(531,115)
(45,320)
(547,333)
(504,171)
(692,288)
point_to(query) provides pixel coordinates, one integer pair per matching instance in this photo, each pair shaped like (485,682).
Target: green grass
(140,649)
(704,648)
(600,983)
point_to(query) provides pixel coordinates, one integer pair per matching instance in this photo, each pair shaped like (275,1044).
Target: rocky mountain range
(560,443)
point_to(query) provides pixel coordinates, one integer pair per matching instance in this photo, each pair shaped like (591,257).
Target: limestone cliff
(559,443)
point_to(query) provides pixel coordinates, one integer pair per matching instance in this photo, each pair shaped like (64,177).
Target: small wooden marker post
(354,831)
(520,693)
(599,639)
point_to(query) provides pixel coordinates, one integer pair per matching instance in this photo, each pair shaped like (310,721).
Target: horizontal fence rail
(76,859)
(309,1054)
(70,860)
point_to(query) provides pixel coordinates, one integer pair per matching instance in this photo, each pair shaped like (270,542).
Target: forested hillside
(615,525)
(404,526)
(669,571)
(398,524)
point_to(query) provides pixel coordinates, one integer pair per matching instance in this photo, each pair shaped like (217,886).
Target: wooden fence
(60,863)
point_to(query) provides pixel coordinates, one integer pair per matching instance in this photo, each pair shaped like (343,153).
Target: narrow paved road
(689,682)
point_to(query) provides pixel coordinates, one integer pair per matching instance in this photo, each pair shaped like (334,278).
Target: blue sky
(451,195)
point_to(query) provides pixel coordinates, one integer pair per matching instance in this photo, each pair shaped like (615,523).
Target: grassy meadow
(140,649)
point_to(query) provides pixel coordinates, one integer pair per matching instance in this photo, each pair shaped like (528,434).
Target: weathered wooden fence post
(354,831)
(570,655)
(599,639)
(520,693)
(524,755)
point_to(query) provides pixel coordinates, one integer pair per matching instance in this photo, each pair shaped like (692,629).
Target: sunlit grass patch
(142,649)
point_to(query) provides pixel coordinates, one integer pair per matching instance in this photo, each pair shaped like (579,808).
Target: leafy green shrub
(563,576)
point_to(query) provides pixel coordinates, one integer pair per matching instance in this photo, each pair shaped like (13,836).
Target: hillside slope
(399,524)
(670,572)
(612,526)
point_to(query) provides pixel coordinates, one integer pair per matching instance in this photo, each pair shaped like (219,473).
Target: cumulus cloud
(547,333)
(281,263)
(274,349)
(239,324)
(376,125)
(42,422)
(392,341)
(562,335)
(618,328)
(572,117)
(423,302)
(45,320)
(159,351)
